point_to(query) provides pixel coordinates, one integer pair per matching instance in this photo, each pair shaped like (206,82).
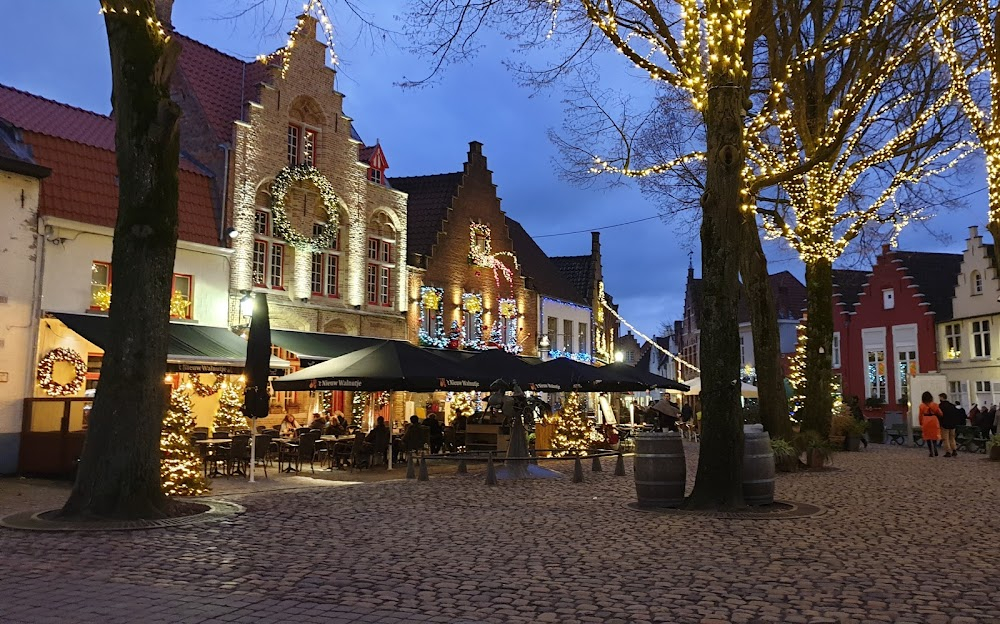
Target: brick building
(586,275)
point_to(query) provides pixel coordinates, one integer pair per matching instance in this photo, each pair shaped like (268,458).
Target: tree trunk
(772,400)
(719,481)
(818,408)
(119,474)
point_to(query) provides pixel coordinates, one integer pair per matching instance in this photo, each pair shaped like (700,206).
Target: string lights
(317,10)
(652,342)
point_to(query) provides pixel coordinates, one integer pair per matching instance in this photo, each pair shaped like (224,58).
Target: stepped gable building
(968,341)
(586,275)
(328,248)
(889,334)
(790,300)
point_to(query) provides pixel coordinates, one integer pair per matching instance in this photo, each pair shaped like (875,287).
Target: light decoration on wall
(359,402)
(431,298)
(579,357)
(101,299)
(205,390)
(472,304)
(152,22)
(481,254)
(318,10)
(326,403)
(327,234)
(382,399)
(507,308)
(652,342)
(179,305)
(47,363)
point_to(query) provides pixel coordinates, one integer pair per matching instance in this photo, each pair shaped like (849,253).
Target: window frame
(381,268)
(325,257)
(835,351)
(981,348)
(107,286)
(276,268)
(297,156)
(568,336)
(953,341)
(976,279)
(583,336)
(190,293)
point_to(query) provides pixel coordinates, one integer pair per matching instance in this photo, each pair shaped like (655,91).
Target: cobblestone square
(901,538)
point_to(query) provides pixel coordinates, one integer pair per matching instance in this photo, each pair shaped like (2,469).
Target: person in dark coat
(974,415)
(687,413)
(379,437)
(436,433)
(987,423)
(950,420)
(413,437)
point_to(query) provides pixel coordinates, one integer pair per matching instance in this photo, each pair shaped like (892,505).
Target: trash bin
(876,430)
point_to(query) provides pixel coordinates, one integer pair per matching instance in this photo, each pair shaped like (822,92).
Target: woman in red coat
(930,425)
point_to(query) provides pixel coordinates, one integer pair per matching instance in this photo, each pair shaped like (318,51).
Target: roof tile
(428,199)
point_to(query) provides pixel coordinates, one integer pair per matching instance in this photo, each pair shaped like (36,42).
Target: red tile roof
(78,146)
(222,84)
(428,199)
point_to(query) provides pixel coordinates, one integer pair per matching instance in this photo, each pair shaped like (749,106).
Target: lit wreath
(283,228)
(51,386)
(205,390)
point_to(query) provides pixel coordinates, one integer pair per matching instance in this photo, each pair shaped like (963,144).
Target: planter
(995,453)
(816,459)
(853,443)
(838,441)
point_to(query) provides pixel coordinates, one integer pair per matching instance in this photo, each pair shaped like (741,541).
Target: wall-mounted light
(544,342)
(246,305)
(619,356)
(230,233)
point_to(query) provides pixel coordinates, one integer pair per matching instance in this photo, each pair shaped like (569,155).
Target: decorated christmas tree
(573,432)
(462,404)
(455,336)
(230,412)
(180,466)
(358,404)
(326,403)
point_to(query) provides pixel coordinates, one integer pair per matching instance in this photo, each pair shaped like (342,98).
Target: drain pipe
(225,194)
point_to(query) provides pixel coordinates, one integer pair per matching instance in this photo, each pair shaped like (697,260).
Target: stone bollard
(462,468)
(491,473)
(422,476)
(534,459)
(595,466)
(410,472)
(577,471)
(620,466)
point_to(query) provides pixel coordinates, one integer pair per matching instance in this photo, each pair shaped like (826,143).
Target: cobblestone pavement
(902,538)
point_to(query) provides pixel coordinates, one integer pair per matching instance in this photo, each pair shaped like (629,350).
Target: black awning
(192,348)
(313,347)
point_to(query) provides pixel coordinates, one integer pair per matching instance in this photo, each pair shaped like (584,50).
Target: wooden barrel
(660,470)
(758,466)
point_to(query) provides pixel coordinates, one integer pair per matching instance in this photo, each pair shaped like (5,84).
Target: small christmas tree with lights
(455,336)
(573,432)
(180,465)
(358,404)
(462,404)
(230,412)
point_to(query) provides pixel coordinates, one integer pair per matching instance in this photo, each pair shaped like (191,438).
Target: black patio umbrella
(256,398)
(493,364)
(651,380)
(390,365)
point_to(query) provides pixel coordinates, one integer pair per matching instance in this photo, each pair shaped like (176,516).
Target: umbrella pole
(253,447)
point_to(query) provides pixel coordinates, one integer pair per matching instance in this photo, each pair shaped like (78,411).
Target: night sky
(59,51)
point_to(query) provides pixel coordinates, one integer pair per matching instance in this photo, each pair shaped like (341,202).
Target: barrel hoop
(659,455)
(771,480)
(658,482)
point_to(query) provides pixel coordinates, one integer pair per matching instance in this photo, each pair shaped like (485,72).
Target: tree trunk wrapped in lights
(230,413)
(180,465)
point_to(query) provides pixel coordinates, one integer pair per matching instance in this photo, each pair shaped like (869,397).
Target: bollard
(410,472)
(462,468)
(423,471)
(491,473)
(595,466)
(534,458)
(620,466)
(577,471)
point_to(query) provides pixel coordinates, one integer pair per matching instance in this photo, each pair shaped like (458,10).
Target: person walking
(930,425)
(950,420)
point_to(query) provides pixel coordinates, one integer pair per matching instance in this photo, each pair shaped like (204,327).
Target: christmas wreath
(327,233)
(51,386)
(205,390)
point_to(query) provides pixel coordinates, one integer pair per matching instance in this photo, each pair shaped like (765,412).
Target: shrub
(786,458)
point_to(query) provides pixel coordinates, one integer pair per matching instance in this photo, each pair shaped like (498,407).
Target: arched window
(381,260)
(976,279)
(268,261)
(305,118)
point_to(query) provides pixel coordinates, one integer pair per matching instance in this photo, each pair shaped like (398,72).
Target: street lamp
(619,356)
(543,346)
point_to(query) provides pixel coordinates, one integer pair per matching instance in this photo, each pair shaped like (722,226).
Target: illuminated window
(301,145)
(100,285)
(953,341)
(381,260)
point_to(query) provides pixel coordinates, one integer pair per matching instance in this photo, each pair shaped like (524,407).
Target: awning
(313,347)
(192,348)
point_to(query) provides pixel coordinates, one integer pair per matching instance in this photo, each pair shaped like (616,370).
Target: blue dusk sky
(427,130)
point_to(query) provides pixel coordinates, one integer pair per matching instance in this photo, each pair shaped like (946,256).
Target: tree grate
(779,510)
(38,521)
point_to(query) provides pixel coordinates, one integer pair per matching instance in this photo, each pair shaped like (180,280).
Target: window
(953,341)
(875,383)
(259,263)
(376,175)
(552,331)
(835,348)
(906,362)
(261,222)
(958,391)
(584,333)
(976,279)
(301,145)
(888,299)
(277,273)
(100,285)
(743,350)
(568,336)
(325,271)
(182,296)
(381,260)
(630,356)
(981,339)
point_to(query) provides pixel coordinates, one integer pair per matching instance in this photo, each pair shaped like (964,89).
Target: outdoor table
(210,441)
(288,443)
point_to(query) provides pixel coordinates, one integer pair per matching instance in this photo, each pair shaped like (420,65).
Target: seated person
(378,437)
(318,422)
(289,425)
(413,437)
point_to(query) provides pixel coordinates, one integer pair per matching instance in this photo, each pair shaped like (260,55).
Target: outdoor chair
(220,433)
(450,440)
(199,435)
(201,429)
(261,428)
(262,450)
(302,430)
(238,456)
(361,453)
(304,451)
(341,455)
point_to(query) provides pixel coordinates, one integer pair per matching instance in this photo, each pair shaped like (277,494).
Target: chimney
(885,250)
(475,148)
(595,244)
(973,231)
(164,9)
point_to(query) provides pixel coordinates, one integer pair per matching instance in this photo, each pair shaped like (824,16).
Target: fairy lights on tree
(180,465)
(230,413)
(573,433)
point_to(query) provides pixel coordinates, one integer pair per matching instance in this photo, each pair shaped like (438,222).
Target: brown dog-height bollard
(577,471)
(410,472)
(620,466)
(595,465)
(462,467)
(422,476)
(491,473)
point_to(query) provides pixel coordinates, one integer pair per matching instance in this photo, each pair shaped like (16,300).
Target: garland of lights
(431,298)
(579,357)
(44,373)
(359,400)
(283,227)
(382,399)
(326,402)
(652,342)
(480,257)
(205,390)
(312,6)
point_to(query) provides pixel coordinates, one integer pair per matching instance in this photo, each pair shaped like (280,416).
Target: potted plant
(854,432)
(993,447)
(875,407)
(818,451)
(786,458)
(839,425)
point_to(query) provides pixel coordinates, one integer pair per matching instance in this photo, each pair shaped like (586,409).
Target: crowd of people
(940,420)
